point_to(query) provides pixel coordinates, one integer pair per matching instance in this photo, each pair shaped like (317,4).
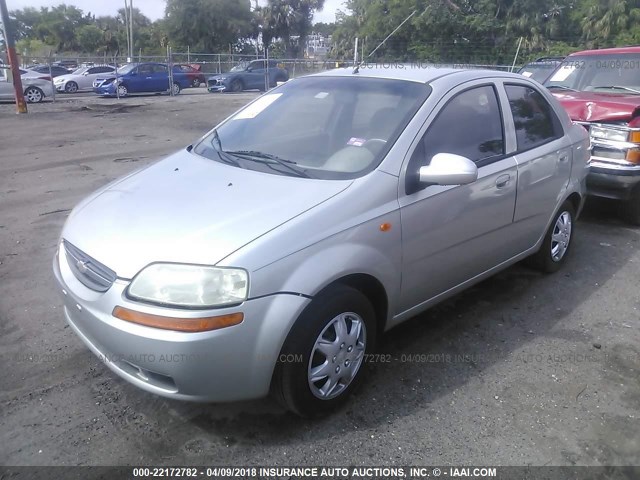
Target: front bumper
(229,364)
(107,90)
(610,182)
(214,86)
(60,86)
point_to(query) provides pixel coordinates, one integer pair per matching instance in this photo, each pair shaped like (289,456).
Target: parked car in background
(600,89)
(35,89)
(193,73)
(28,73)
(81,79)
(68,64)
(271,254)
(140,78)
(248,77)
(540,69)
(56,70)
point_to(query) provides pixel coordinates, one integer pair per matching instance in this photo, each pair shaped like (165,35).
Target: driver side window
(470,124)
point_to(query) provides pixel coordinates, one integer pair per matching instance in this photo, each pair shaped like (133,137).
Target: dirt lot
(522,369)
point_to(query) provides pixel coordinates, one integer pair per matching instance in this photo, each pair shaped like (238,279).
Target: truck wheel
(631,208)
(557,241)
(328,343)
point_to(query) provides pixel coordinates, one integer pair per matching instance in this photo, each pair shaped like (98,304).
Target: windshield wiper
(256,156)
(561,87)
(619,87)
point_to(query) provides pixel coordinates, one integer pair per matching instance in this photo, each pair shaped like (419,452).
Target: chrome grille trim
(91,273)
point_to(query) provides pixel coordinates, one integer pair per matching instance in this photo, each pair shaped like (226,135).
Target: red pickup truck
(600,89)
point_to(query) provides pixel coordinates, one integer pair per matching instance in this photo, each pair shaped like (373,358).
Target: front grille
(91,273)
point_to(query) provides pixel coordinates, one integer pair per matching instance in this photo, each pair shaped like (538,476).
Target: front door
(451,234)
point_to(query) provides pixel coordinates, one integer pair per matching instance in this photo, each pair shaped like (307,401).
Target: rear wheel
(631,208)
(33,95)
(321,361)
(71,87)
(557,241)
(195,83)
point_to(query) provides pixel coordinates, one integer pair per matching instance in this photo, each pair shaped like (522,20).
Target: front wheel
(195,83)
(175,88)
(71,87)
(557,241)
(33,95)
(321,361)
(236,86)
(122,91)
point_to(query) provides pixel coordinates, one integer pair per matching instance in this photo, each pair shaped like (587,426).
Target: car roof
(422,74)
(604,51)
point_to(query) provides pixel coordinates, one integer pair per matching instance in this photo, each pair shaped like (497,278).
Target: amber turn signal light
(633,156)
(202,324)
(634,136)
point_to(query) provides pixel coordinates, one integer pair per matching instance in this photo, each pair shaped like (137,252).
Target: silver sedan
(272,253)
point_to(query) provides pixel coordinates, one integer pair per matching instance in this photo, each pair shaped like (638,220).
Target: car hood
(188,209)
(598,107)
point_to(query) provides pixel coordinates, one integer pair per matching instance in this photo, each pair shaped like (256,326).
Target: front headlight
(190,286)
(58,80)
(612,134)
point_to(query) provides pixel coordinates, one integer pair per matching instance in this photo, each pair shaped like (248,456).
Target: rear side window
(535,121)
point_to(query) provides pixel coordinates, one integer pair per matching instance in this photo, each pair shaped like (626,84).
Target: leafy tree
(90,38)
(207,25)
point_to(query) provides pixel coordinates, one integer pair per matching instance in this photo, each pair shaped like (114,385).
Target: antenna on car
(357,67)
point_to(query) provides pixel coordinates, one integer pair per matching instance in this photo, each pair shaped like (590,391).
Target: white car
(81,79)
(35,89)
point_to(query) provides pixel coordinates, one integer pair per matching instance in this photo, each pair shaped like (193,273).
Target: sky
(154,9)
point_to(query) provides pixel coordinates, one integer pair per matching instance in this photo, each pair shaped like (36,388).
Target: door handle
(564,157)
(503,180)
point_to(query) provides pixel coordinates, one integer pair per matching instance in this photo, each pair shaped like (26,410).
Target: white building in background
(317,46)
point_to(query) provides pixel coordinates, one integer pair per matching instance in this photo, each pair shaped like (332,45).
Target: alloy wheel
(337,355)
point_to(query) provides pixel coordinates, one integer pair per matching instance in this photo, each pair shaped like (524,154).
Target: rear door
(543,154)
(451,234)
(160,78)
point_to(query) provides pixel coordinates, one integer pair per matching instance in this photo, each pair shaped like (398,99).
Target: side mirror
(249,69)
(85,73)
(448,169)
(133,74)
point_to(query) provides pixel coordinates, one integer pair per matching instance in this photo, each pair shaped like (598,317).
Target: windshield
(538,71)
(123,70)
(318,127)
(614,73)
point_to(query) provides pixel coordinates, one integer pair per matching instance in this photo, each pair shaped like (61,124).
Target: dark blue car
(141,78)
(248,77)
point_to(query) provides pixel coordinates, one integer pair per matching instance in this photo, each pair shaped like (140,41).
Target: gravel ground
(523,369)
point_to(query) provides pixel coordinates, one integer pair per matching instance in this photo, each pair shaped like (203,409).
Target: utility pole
(21,105)
(131,28)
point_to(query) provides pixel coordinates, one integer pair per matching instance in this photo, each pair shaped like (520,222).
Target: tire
(123,91)
(343,320)
(71,87)
(195,83)
(175,88)
(557,241)
(236,86)
(630,209)
(33,95)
